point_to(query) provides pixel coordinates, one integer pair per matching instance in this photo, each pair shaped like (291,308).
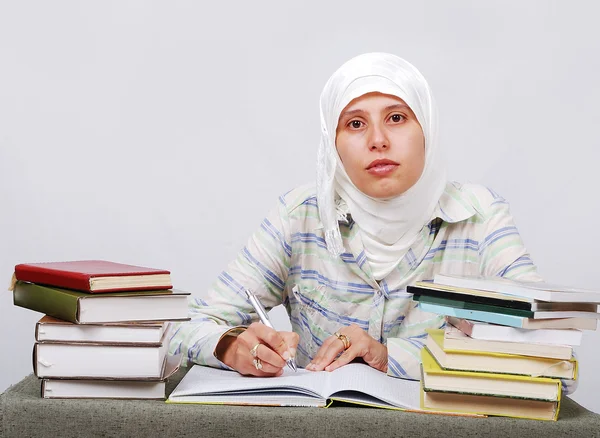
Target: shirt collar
(454,205)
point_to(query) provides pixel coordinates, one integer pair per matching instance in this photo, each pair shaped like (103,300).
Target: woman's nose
(378,138)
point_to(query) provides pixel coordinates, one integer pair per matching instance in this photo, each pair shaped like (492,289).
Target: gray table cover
(23,413)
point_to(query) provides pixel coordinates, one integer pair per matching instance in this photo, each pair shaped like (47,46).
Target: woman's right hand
(274,348)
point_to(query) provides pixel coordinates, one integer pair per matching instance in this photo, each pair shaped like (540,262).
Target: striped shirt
(286,261)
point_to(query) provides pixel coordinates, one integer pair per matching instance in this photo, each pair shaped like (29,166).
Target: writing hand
(270,347)
(358,343)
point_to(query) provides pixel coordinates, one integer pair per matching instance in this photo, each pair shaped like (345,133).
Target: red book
(94,276)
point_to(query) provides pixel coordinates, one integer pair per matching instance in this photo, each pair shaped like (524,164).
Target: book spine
(46,300)
(442,301)
(68,280)
(465,297)
(477,315)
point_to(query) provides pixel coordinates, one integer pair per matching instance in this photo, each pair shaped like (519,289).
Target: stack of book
(106,327)
(507,346)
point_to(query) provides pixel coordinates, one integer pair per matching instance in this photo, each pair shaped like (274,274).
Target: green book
(86,308)
(467,305)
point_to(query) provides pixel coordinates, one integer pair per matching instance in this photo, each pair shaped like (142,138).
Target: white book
(352,383)
(501,363)
(494,332)
(98,360)
(115,389)
(537,290)
(457,341)
(151,388)
(49,329)
(430,289)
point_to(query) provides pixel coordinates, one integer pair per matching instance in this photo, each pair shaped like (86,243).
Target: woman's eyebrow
(396,106)
(351,113)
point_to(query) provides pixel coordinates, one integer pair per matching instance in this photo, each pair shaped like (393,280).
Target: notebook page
(364,379)
(266,398)
(205,381)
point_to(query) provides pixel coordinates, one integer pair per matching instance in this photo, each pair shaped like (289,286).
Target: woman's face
(381,145)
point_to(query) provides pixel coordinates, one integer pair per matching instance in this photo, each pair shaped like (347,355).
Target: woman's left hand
(360,345)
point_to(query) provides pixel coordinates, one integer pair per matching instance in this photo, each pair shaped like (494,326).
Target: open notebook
(352,383)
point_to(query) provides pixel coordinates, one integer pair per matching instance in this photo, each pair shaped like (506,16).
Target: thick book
(427,288)
(147,388)
(352,383)
(84,308)
(49,329)
(489,405)
(536,290)
(589,312)
(99,360)
(94,276)
(457,341)
(511,320)
(501,363)
(436,378)
(493,332)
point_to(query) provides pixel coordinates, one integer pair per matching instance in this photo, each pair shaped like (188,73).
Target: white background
(160,133)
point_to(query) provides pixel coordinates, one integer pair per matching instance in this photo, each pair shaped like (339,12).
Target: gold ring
(253,350)
(345,339)
(257,363)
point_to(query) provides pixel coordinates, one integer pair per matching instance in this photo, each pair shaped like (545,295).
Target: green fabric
(24,414)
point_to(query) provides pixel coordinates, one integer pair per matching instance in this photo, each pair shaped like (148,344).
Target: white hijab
(388,227)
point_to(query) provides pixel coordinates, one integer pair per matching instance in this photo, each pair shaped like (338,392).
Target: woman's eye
(356,124)
(396,118)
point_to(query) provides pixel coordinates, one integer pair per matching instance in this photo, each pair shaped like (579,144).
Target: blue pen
(264,318)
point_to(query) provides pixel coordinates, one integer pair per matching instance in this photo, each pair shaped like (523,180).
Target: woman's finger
(268,356)
(330,349)
(273,339)
(345,358)
(291,339)
(320,353)
(264,369)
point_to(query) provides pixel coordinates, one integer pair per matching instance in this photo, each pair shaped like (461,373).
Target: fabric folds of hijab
(388,227)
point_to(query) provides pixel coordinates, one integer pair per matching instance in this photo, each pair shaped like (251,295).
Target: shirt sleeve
(404,350)
(503,254)
(262,266)
(501,248)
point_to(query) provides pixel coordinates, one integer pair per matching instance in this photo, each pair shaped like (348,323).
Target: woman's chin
(383,191)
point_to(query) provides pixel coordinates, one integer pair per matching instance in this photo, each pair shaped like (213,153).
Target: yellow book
(465,404)
(435,378)
(501,363)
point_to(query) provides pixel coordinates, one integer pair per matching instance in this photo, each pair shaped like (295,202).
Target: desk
(24,414)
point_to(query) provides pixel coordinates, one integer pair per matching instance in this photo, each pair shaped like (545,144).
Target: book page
(205,381)
(363,379)
(210,385)
(265,398)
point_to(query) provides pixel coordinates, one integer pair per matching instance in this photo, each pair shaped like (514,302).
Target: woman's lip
(382,169)
(381,162)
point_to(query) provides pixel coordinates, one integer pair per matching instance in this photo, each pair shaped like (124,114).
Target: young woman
(339,254)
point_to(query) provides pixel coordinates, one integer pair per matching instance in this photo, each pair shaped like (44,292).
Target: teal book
(580,323)
(443,301)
